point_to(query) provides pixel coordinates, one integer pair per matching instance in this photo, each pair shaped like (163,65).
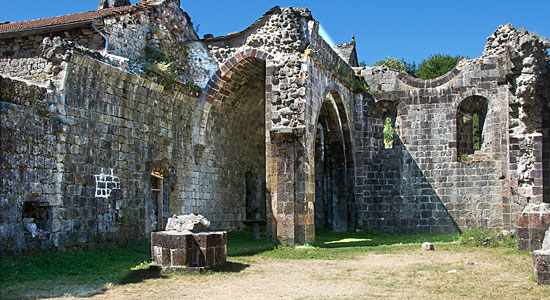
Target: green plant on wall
(347,75)
(388,134)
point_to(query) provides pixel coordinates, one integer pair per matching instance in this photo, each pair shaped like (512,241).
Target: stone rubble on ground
(427,246)
(187,223)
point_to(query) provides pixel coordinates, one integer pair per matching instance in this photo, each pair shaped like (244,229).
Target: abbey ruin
(113,120)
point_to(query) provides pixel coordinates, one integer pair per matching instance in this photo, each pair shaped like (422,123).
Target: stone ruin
(268,124)
(541,261)
(187,245)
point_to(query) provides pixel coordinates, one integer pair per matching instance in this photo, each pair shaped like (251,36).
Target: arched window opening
(382,118)
(471,116)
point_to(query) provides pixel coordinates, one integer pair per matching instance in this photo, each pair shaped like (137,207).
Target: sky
(411,30)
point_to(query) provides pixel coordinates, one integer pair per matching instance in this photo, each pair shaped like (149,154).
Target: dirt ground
(463,274)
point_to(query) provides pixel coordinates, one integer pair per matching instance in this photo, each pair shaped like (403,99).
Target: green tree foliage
(392,63)
(436,65)
(410,67)
(398,65)
(388,134)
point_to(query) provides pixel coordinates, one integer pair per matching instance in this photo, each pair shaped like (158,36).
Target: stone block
(188,251)
(541,266)
(181,257)
(533,222)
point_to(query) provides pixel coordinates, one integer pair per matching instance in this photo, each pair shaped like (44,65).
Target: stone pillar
(532,223)
(541,262)
(291,218)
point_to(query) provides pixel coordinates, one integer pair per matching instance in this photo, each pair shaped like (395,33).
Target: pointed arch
(334,176)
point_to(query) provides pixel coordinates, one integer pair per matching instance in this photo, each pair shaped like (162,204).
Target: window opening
(158,179)
(388,133)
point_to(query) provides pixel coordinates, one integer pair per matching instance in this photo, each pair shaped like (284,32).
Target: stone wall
(233,154)
(422,184)
(111,123)
(28,142)
(21,57)
(282,128)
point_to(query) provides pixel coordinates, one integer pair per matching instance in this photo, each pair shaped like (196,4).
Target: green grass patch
(48,271)
(482,237)
(333,245)
(242,243)
(80,273)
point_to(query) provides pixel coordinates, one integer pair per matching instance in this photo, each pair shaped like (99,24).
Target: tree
(392,63)
(436,65)
(398,65)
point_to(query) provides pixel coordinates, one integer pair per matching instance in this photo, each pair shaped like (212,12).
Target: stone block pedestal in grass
(181,248)
(193,252)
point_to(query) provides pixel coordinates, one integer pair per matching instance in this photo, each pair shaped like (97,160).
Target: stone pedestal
(193,252)
(541,266)
(532,222)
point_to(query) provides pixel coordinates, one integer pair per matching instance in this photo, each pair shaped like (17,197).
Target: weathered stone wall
(431,188)
(21,57)
(329,112)
(28,144)
(233,170)
(110,120)
(282,129)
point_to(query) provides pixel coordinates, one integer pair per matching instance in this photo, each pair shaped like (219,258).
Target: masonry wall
(422,184)
(109,122)
(23,56)
(232,174)
(27,165)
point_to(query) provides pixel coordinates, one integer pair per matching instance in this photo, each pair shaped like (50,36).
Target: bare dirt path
(465,274)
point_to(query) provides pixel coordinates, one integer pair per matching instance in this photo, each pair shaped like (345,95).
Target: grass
(86,272)
(333,245)
(476,238)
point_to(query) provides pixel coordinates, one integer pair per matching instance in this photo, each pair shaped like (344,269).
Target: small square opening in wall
(35,213)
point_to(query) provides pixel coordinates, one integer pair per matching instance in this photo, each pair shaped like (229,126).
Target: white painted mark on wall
(105,184)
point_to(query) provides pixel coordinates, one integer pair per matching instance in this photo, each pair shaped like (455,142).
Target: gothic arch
(334,168)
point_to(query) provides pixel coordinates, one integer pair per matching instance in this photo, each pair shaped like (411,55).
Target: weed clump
(478,237)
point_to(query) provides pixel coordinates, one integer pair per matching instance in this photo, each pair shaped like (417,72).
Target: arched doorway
(234,159)
(334,206)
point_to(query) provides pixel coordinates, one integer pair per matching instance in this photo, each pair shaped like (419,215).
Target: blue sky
(404,29)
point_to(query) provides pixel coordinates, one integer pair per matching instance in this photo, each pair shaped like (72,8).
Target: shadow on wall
(399,198)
